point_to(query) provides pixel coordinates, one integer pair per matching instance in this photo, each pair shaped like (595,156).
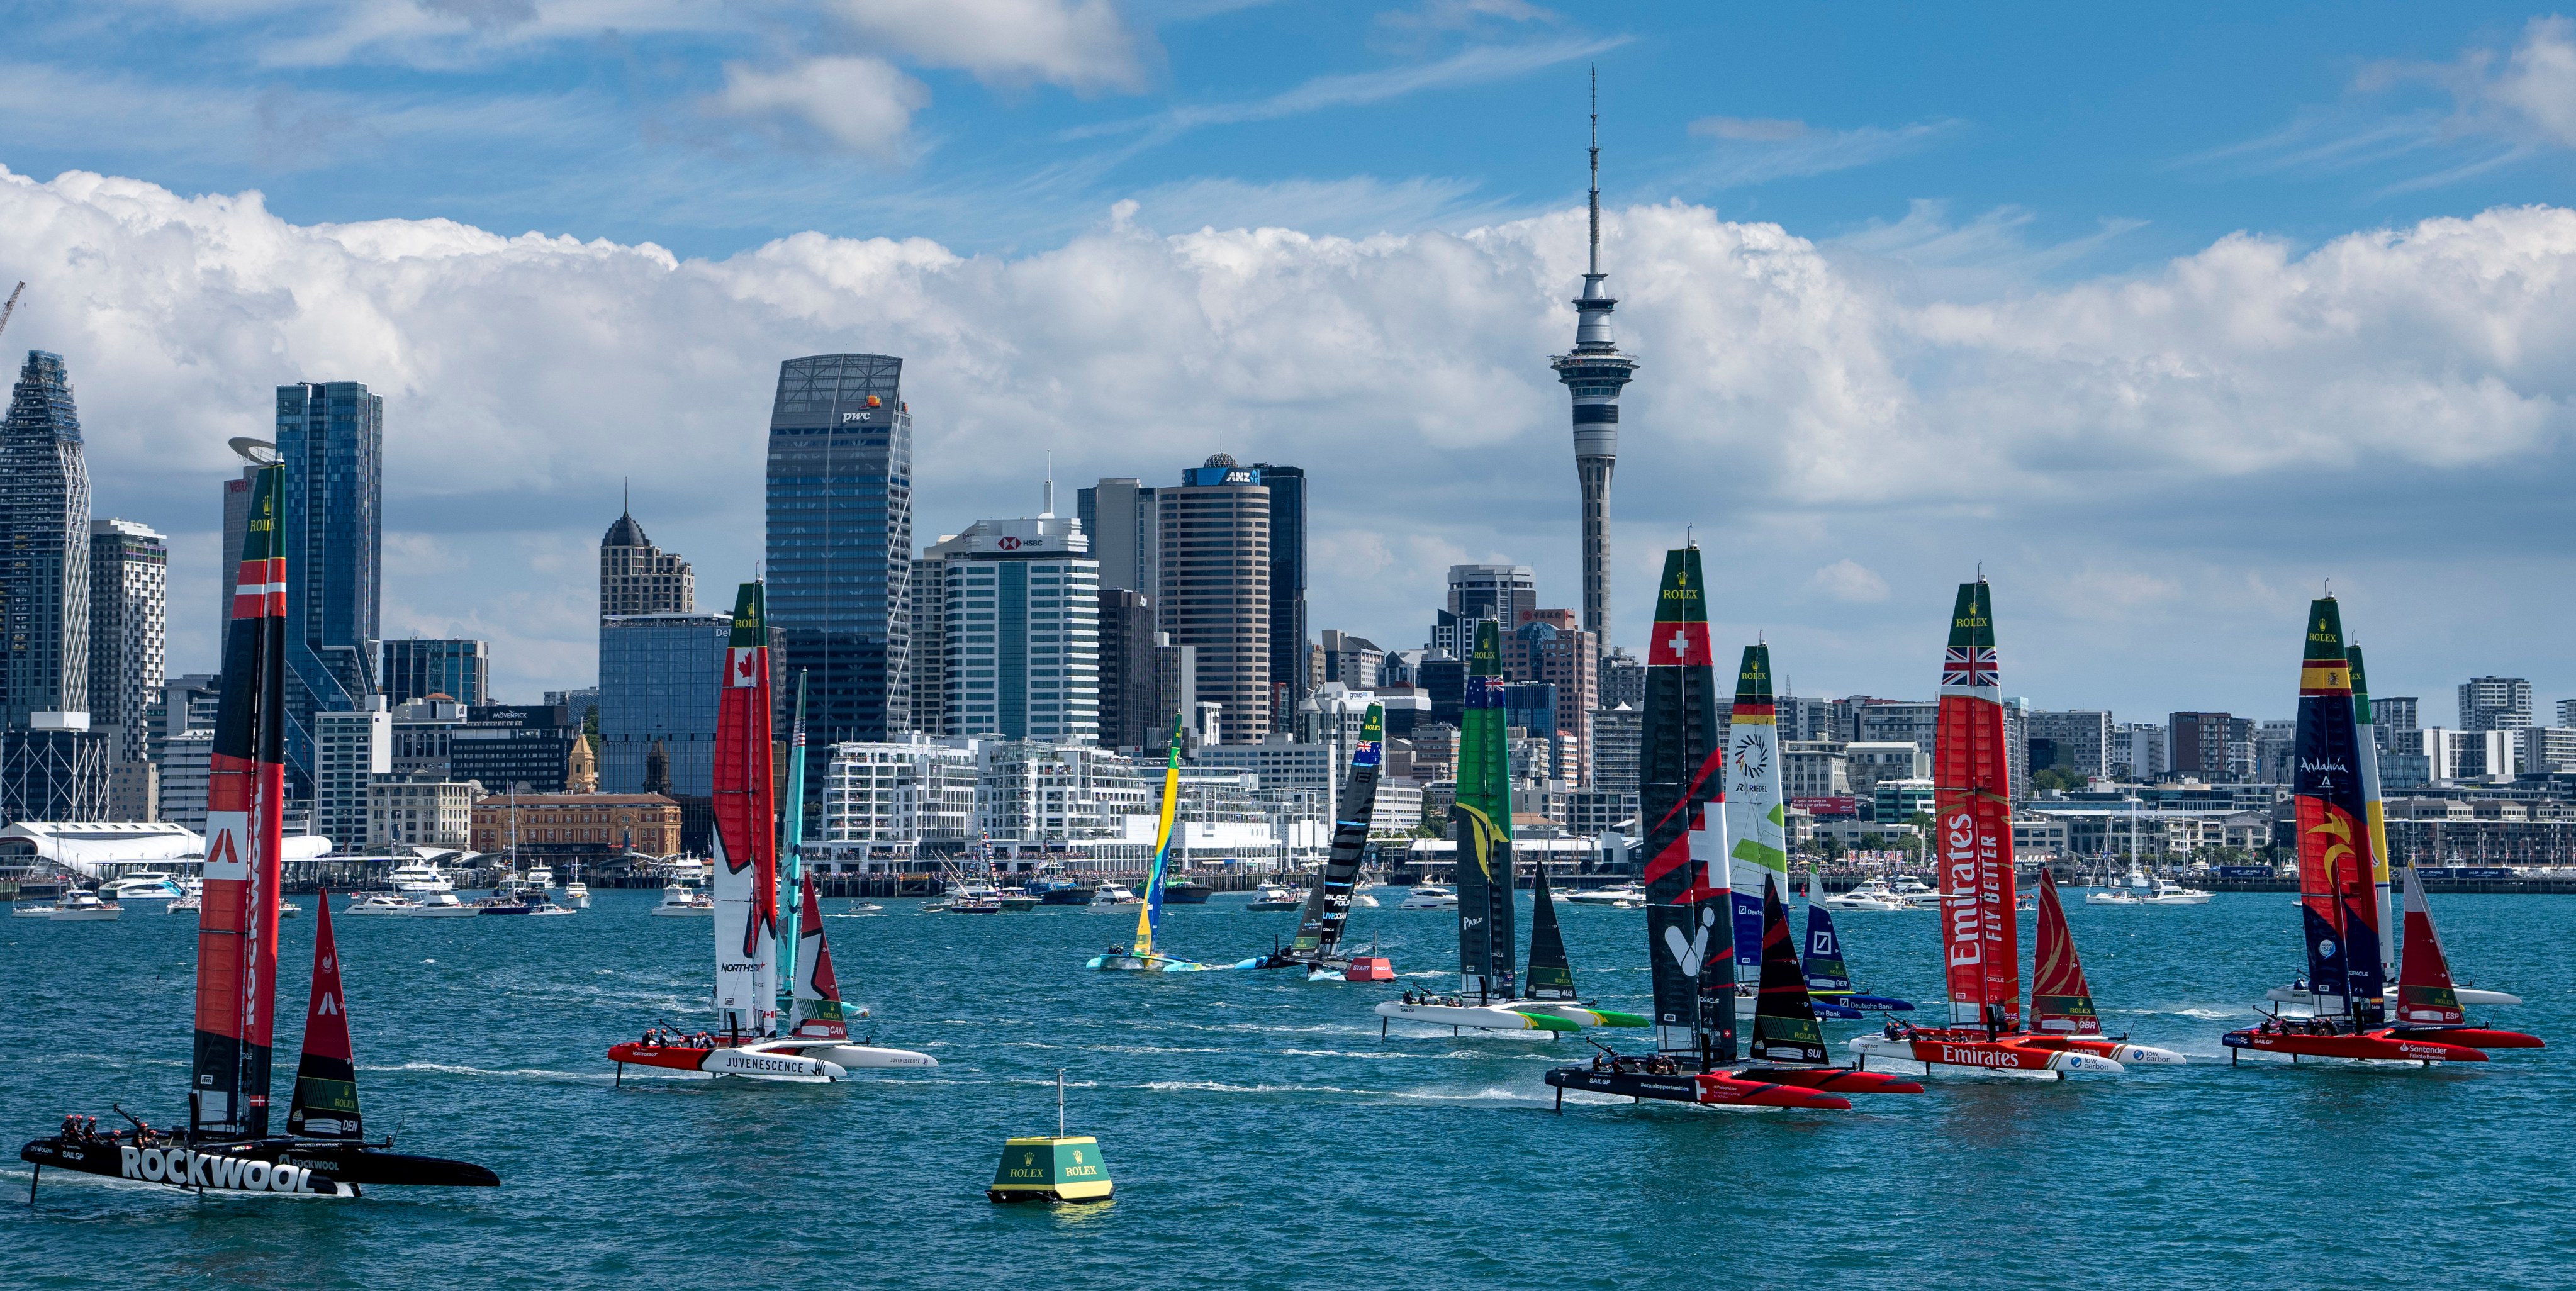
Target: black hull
(1676,1088)
(1076,896)
(1311,963)
(318,1168)
(1187,893)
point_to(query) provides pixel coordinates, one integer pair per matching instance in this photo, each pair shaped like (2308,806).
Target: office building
(2275,750)
(1176,691)
(1866,762)
(1899,801)
(350,749)
(840,548)
(330,436)
(1353,661)
(1119,517)
(929,664)
(133,790)
(1623,679)
(2495,704)
(1617,740)
(1288,636)
(129,603)
(1502,593)
(2196,744)
(237,491)
(1881,721)
(459,668)
(2076,741)
(2566,711)
(636,577)
(1548,648)
(1214,573)
(2401,713)
(44,551)
(2137,752)
(2549,750)
(527,747)
(659,679)
(1594,372)
(1128,717)
(403,812)
(54,767)
(1814,769)
(1023,625)
(184,763)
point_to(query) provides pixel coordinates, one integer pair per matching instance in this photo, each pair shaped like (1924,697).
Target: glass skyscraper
(1287,485)
(840,548)
(44,548)
(331,436)
(457,667)
(659,678)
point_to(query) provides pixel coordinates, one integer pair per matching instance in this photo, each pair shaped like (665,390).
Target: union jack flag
(1974,666)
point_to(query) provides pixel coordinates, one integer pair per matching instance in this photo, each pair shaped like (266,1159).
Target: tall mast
(1593,373)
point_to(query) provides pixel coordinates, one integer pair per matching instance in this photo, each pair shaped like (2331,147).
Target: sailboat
(746,1041)
(1829,983)
(1144,956)
(1480,820)
(1756,818)
(1689,929)
(791,849)
(1318,946)
(227,1146)
(2339,907)
(1980,936)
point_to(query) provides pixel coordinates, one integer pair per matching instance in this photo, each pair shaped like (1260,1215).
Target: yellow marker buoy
(1060,1167)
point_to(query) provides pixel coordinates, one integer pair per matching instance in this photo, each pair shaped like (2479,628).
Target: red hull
(647,1055)
(2475,1037)
(1841,1080)
(1369,968)
(1734,1092)
(2379,1045)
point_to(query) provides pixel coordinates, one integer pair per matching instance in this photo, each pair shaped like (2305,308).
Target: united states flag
(1974,666)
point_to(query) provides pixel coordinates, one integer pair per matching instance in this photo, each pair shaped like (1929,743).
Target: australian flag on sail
(1971,666)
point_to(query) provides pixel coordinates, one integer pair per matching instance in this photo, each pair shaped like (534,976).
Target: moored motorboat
(577,895)
(378,903)
(1873,895)
(1429,896)
(440,905)
(1110,896)
(142,885)
(83,907)
(1275,896)
(1618,896)
(1186,893)
(681,900)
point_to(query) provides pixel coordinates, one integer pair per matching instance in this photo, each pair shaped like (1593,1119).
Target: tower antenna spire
(1595,268)
(1594,372)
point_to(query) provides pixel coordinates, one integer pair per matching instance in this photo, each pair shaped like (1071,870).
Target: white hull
(2060,1062)
(1481,1017)
(441,912)
(2303,1001)
(100,915)
(850,1057)
(1429,903)
(756,1062)
(681,911)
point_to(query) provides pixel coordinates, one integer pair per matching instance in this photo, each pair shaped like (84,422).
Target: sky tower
(1594,374)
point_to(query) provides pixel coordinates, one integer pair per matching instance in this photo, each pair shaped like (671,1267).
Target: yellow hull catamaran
(1144,957)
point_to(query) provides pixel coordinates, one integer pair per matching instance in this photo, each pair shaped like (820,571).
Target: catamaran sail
(2060,1002)
(1551,974)
(818,1013)
(2336,895)
(1829,983)
(791,849)
(325,1104)
(1681,786)
(1481,823)
(1756,815)
(1328,903)
(746,860)
(1145,956)
(1784,1021)
(1972,830)
(2424,993)
(2366,761)
(245,787)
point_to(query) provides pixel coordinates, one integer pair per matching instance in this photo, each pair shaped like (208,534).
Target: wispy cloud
(1757,150)
(1473,66)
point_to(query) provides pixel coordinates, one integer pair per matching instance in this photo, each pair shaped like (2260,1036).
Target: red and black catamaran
(226,1145)
(2339,906)
(1689,932)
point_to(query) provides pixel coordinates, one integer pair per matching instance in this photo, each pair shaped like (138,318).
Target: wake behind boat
(227,1146)
(1143,957)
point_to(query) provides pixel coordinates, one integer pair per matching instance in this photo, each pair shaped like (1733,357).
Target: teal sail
(791,856)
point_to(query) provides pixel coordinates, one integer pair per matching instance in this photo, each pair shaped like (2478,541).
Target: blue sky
(2166,314)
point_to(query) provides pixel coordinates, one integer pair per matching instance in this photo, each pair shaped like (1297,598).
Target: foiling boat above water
(1317,947)
(1145,956)
(227,1146)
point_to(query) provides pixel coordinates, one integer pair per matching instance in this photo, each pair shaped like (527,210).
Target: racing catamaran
(227,1146)
(1756,819)
(1318,946)
(746,1041)
(1829,983)
(1689,932)
(2339,902)
(1980,937)
(1144,957)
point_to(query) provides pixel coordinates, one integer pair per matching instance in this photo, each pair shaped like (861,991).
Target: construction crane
(12,306)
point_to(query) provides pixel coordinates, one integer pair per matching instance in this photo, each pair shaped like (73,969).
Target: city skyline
(2158,442)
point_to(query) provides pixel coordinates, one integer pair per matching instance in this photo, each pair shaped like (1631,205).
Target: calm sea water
(1262,1134)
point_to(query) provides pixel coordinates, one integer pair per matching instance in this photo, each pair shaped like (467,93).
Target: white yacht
(1623,896)
(379,903)
(1115,894)
(1429,896)
(1873,895)
(142,885)
(1915,893)
(684,869)
(681,899)
(82,907)
(2161,891)
(441,905)
(1275,896)
(577,895)
(541,877)
(417,878)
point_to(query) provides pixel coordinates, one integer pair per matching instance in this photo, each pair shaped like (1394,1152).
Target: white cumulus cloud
(861,104)
(1081,45)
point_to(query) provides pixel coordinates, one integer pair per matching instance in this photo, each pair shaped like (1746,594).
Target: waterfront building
(1594,372)
(457,667)
(1037,791)
(2495,703)
(2076,741)
(883,800)
(1814,769)
(1022,618)
(237,494)
(659,678)
(840,550)
(330,436)
(529,747)
(351,747)
(423,729)
(1128,713)
(129,603)
(405,812)
(1886,721)
(1801,718)
(1590,813)
(1214,577)
(44,553)
(576,826)
(53,767)
(636,577)
(1899,800)
(1866,762)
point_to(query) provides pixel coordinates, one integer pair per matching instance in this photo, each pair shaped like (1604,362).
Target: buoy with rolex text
(1061,1167)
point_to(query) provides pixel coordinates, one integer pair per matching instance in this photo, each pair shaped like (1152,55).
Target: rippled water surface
(1262,1134)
